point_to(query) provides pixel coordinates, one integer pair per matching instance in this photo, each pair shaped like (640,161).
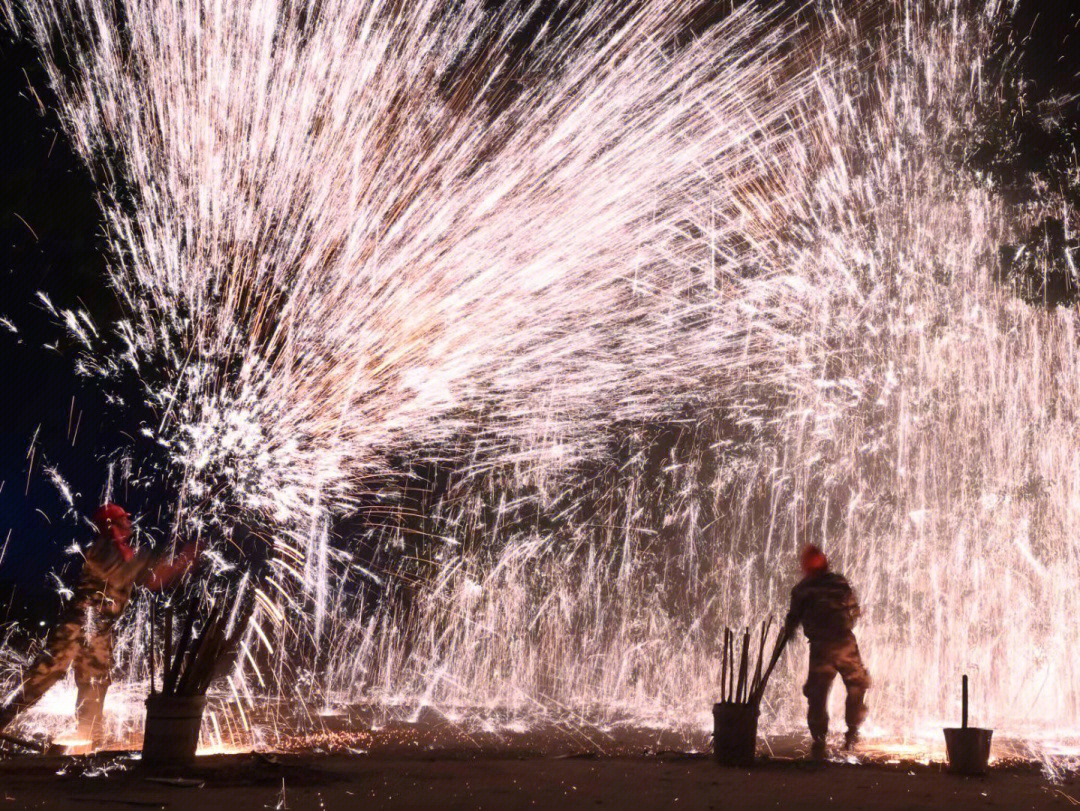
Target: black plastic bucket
(968,748)
(172,729)
(734,733)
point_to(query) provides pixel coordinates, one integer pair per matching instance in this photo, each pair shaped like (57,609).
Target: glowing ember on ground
(73,745)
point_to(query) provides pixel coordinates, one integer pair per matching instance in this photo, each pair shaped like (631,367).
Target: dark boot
(851,739)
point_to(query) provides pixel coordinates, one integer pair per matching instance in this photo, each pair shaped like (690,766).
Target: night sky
(50,241)
(50,231)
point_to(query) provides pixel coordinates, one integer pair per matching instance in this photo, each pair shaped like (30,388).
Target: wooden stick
(213,661)
(203,671)
(731,664)
(181,649)
(723,667)
(760,655)
(731,670)
(750,663)
(196,661)
(167,652)
(34,747)
(964,703)
(747,658)
(740,685)
(153,617)
(778,648)
(737,665)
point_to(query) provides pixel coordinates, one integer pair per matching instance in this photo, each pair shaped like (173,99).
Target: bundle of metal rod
(33,746)
(738,684)
(204,650)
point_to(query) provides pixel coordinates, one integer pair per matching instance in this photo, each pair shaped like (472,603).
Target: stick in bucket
(741,691)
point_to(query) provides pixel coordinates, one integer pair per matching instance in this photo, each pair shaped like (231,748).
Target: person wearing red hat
(84,636)
(824,604)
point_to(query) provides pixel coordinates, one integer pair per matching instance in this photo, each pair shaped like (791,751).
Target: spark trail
(355,227)
(350,233)
(345,230)
(927,446)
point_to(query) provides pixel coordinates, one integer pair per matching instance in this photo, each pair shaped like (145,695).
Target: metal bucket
(735,733)
(172,729)
(969,749)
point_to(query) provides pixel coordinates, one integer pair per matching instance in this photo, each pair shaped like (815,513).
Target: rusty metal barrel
(172,729)
(735,733)
(968,747)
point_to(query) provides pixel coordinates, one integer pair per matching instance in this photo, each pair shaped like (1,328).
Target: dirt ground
(445,780)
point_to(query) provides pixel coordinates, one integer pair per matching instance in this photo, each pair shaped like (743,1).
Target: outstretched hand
(165,572)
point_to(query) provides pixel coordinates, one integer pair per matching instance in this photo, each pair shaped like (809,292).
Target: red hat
(109,517)
(813,560)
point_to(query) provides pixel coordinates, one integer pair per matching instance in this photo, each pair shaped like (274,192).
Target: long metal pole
(964,702)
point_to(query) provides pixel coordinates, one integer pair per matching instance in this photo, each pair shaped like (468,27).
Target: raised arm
(163,572)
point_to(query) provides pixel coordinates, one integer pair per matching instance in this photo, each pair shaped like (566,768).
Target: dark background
(51,241)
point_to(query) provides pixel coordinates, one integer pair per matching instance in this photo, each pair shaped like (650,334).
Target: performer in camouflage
(84,635)
(825,605)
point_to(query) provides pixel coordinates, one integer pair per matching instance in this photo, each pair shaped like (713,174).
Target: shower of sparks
(664,305)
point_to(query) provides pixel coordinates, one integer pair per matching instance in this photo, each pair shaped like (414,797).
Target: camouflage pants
(84,638)
(826,660)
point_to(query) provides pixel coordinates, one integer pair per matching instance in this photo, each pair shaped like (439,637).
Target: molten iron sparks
(359,240)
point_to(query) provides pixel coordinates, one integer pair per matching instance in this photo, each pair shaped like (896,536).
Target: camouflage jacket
(825,606)
(108,577)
